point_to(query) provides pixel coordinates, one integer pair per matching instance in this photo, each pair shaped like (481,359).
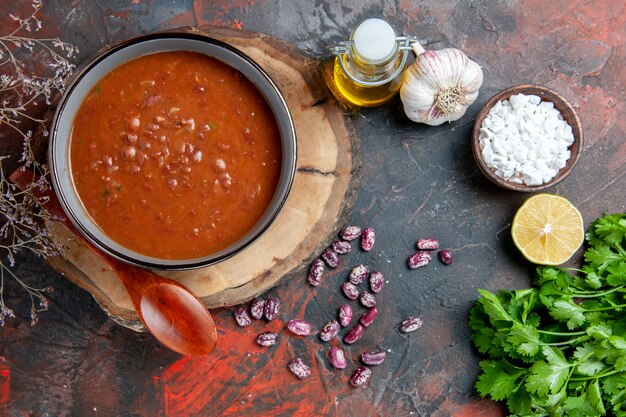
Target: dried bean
(377,280)
(367,299)
(350,290)
(341,247)
(350,233)
(419,259)
(330,257)
(337,358)
(242,317)
(315,272)
(358,274)
(360,376)
(411,324)
(256,308)
(345,314)
(373,358)
(368,238)
(354,334)
(368,317)
(299,368)
(445,256)
(329,330)
(267,339)
(299,327)
(429,243)
(270,310)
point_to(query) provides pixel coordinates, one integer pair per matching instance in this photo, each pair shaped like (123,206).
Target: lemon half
(548,229)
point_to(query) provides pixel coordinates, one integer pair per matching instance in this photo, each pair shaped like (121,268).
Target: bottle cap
(374,41)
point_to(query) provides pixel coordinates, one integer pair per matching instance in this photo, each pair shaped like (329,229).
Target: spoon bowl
(173,315)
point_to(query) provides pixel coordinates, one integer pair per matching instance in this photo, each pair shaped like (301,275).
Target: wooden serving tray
(321,197)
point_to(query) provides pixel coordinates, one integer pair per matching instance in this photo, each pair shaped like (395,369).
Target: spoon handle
(167,308)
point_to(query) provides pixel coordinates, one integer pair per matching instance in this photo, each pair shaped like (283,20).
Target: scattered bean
(367,299)
(411,324)
(350,233)
(369,316)
(445,256)
(354,334)
(329,330)
(341,247)
(242,317)
(377,280)
(270,310)
(373,358)
(360,376)
(299,327)
(257,307)
(350,290)
(315,272)
(330,257)
(368,238)
(267,339)
(345,315)
(429,243)
(358,274)
(419,259)
(299,368)
(337,358)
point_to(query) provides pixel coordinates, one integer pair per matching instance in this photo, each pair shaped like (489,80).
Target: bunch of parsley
(559,348)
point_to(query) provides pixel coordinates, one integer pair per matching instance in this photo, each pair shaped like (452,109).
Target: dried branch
(24,221)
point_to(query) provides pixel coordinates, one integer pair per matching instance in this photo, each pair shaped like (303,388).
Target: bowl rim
(278,107)
(549,95)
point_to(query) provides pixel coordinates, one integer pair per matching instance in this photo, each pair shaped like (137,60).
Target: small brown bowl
(569,115)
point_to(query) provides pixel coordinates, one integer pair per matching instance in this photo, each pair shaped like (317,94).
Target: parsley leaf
(499,379)
(567,311)
(548,377)
(588,404)
(525,337)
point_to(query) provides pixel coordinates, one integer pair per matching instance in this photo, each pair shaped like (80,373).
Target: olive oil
(369,68)
(364,95)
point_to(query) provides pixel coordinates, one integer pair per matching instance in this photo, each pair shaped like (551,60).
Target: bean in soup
(175,155)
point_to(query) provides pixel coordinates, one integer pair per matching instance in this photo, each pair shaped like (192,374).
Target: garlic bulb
(440,85)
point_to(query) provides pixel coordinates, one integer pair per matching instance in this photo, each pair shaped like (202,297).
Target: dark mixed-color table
(416,181)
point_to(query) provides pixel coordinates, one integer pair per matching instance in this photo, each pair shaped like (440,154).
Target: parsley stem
(614,371)
(577,270)
(593,294)
(567,342)
(561,333)
(606,308)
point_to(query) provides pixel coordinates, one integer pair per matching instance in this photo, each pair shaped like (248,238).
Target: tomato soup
(175,155)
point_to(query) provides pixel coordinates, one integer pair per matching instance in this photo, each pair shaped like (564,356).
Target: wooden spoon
(173,315)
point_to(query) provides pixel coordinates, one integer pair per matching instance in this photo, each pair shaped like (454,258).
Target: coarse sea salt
(525,140)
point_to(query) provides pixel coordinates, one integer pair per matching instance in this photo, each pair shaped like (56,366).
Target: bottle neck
(371,71)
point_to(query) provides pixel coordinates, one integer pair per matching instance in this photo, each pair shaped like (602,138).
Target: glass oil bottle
(369,67)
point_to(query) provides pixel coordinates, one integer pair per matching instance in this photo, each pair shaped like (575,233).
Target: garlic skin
(440,85)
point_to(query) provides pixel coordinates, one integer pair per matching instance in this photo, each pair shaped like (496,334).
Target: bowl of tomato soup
(172,151)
